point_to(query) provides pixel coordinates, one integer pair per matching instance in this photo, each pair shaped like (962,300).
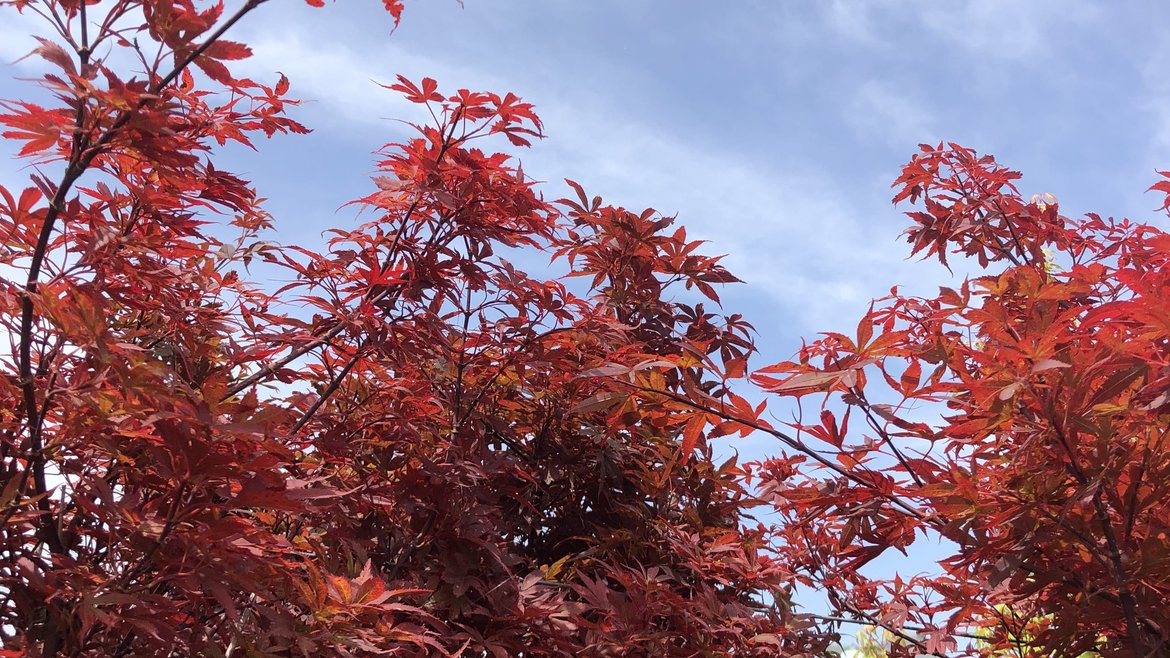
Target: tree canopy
(410,446)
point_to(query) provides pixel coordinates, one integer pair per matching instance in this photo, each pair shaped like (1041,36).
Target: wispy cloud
(791,234)
(1003,28)
(990,29)
(1156,102)
(15,37)
(856,21)
(341,83)
(897,118)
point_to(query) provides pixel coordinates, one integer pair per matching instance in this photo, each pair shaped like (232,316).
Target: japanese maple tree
(1047,471)
(410,448)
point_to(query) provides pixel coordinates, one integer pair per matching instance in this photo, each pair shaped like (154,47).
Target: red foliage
(413,448)
(1049,472)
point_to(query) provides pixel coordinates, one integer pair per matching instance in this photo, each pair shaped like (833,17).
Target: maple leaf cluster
(412,447)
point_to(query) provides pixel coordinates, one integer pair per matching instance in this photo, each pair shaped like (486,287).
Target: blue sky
(773,129)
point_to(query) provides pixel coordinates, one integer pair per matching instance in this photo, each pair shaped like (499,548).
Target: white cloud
(990,29)
(1003,28)
(15,36)
(336,78)
(855,20)
(791,235)
(897,118)
(1156,75)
